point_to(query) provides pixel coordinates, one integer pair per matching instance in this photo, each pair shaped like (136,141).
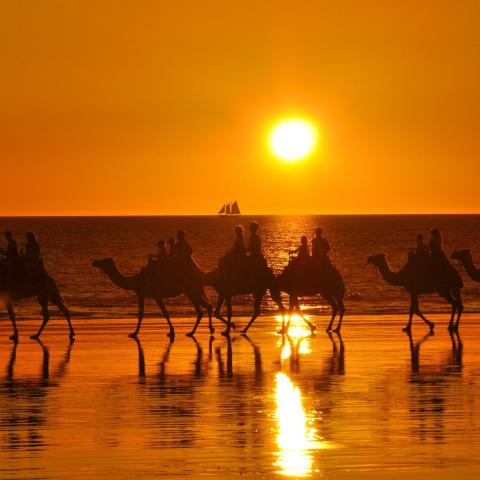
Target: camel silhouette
(326,281)
(46,291)
(465,256)
(448,287)
(255,285)
(142,288)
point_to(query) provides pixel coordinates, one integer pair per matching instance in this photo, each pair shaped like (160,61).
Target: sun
(293,139)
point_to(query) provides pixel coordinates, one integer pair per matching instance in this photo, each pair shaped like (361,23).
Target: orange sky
(151,107)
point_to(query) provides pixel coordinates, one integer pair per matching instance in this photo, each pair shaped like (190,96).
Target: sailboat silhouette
(230,208)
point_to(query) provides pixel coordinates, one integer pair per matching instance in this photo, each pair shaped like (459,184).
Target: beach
(372,403)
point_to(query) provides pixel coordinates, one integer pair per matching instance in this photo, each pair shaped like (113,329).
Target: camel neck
(127,283)
(471,269)
(393,278)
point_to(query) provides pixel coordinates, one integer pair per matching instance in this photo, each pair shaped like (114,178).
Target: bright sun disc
(293,139)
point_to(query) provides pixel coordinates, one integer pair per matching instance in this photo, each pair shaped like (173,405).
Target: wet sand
(371,404)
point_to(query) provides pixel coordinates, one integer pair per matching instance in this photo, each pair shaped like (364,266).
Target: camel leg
(208,307)
(341,309)
(46,317)
(141,310)
(218,309)
(459,309)
(256,312)
(453,302)
(199,313)
(422,316)
(413,301)
(334,306)
(66,313)
(228,300)
(300,313)
(163,308)
(11,315)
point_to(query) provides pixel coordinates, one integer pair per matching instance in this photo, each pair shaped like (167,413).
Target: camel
(143,289)
(46,291)
(328,283)
(465,256)
(448,288)
(226,291)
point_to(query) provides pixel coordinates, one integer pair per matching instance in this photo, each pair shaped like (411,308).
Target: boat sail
(235,210)
(230,208)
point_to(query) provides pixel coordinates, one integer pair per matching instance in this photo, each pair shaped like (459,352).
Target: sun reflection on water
(297,438)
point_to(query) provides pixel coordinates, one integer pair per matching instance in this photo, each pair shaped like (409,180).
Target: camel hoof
(212,330)
(14,337)
(328,329)
(133,335)
(72,336)
(243,332)
(171,334)
(313,328)
(432,326)
(190,334)
(35,337)
(407,329)
(336,330)
(226,333)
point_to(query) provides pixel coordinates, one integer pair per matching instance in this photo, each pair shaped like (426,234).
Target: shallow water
(367,405)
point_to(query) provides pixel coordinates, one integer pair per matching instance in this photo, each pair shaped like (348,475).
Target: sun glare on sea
(293,139)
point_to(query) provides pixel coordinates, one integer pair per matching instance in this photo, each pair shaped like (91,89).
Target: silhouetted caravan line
(23,276)
(465,256)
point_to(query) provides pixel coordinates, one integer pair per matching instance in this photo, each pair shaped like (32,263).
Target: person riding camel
(303,252)
(232,263)
(254,250)
(157,261)
(11,256)
(439,262)
(31,255)
(320,248)
(171,246)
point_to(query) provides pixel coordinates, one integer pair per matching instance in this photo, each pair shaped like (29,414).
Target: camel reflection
(23,402)
(434,390)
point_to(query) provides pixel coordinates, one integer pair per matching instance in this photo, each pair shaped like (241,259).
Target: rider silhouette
(31,255)
(320,247)
(11,254)
(303,252)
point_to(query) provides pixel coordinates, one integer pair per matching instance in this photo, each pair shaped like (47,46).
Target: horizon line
(236,216)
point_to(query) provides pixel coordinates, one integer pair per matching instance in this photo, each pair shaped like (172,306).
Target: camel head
(376,259)
(462,255)
(105,264)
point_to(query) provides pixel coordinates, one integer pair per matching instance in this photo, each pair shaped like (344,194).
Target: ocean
(70,244)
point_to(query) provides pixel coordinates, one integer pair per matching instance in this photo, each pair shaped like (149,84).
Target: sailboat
(230,208)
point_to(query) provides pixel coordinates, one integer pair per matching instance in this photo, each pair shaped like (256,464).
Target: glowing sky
(146,107)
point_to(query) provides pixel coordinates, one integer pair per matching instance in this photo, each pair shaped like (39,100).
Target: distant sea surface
(70,244)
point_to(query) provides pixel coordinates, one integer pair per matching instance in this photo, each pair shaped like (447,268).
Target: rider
(320,247)
(440,264)
(183,250)
(11,254)
(231,263)
(257,260)
(303,252)
(171,246)
(31,255)
(155,261)
(421,248)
